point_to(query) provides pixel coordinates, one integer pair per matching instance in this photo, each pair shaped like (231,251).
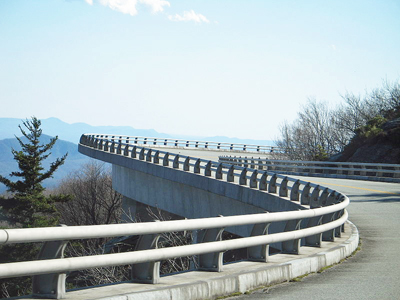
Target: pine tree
(27,206)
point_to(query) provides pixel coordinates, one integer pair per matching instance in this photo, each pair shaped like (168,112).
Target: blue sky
(205,68)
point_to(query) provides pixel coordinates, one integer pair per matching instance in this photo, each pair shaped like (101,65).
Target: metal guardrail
(209,145)
(355,170)
(322,218)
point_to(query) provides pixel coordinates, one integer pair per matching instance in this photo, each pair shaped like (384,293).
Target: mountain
(74,160)
(69,135)
(72,132)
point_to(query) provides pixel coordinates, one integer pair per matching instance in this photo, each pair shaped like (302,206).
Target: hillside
(377,142)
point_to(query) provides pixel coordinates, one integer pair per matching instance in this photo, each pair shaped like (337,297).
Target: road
(374,272)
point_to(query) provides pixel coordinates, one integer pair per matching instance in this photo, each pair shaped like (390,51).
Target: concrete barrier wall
(188,194)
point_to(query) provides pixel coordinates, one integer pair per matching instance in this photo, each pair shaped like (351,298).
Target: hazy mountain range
(72,132)
(69,135)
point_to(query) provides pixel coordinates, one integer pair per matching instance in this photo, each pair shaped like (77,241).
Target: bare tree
(312,135)
(93,201)
(320,132)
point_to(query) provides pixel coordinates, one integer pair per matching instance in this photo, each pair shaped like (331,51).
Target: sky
(195,67)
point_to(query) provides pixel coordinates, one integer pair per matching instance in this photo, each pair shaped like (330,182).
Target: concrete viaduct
(303,220)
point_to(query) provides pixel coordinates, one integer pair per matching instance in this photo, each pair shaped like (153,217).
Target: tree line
(320,131)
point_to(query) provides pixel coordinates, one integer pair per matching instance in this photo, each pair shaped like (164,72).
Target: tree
(27,206)
(93,200)
(312,136)
(320,132)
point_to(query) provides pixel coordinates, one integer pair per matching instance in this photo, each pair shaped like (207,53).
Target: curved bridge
(299,215)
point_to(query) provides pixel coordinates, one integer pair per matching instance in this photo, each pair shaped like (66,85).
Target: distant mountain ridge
(72,132)
(69,135)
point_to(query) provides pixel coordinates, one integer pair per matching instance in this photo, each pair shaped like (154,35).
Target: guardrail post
(196,168)
(166,160)
(50,285)
(133,153)
(83,139)
(330,234)
(156,159)
(112,148)
(126,150)
(100,147)
(315,202)
(263,181)
(231,175)
(259,253)
(294,191)
(119,148)
(186,164)
(218,172)
(283,190)
(305,194)
(96,143)
(211,261)
(148,155)
(380,174)
(207,170)
(253,180)
(293,246)
(148,272)
(246,162)
(260,164)
(175,163)
(105,146)
(155,142)
(141,154)
(253,164)
(272,184)
(242,178)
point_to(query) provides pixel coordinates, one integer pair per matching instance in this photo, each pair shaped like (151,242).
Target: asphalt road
(374,272)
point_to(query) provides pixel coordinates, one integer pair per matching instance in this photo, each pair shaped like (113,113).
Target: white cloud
(129,6)
(189,16)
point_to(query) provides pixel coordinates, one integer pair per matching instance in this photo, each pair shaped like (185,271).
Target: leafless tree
(320,131)
(93,201)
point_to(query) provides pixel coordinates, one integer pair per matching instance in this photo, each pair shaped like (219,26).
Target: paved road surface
(374,272)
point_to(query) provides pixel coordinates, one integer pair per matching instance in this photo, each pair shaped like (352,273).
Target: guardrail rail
(350,170)
(321,219)
(179,143)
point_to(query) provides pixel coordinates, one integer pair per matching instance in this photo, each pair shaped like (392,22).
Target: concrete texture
(236,277)
(188,194)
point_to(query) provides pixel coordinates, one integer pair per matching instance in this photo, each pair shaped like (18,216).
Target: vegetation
(27,205)
(321,132)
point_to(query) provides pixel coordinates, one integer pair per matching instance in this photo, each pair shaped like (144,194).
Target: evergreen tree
(27,206)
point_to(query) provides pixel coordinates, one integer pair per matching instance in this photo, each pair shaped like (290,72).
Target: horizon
(195,68)
(172,136)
